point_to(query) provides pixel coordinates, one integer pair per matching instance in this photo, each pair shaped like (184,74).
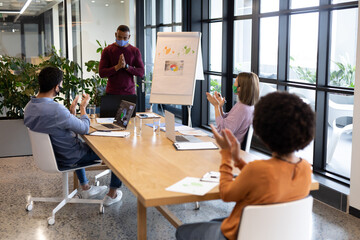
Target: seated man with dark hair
(43,114)
(285,124)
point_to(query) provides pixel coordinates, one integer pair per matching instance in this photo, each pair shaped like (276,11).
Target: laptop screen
(124,113)
(110,104)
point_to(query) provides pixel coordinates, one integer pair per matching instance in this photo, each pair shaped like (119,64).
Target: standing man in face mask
(119,62)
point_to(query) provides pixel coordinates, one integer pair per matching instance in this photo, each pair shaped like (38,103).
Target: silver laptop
(122,118)
(170,130)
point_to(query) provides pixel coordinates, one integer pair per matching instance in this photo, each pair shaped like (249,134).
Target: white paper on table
(110,134)
(192,185)
(179,128)
(105,120)
(193,132)
(195,145)
(149,115)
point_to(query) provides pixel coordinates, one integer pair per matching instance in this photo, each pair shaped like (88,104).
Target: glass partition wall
(72,27)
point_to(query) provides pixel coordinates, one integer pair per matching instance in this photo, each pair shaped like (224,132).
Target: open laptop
(170,130)
(110,104)
(122,118)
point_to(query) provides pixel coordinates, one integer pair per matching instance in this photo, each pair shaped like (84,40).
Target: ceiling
(35,8)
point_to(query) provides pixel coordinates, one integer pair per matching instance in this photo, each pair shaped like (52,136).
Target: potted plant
(17,84)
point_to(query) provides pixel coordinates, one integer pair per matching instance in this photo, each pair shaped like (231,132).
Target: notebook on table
(122,118)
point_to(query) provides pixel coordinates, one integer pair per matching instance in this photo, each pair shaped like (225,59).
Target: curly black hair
(49,77)
(284,122)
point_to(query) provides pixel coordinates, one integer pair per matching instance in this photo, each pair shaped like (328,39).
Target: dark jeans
(201,231)
(89,157)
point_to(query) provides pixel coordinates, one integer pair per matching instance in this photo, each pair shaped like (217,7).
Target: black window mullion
(227,52)
(205,55)
(283,49)
(140,37)
(255,37)
(320,146)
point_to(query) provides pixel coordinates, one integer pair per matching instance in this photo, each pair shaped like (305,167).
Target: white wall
(100,23)
(355,160)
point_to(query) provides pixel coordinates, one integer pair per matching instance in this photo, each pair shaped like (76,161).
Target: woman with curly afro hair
(285,124)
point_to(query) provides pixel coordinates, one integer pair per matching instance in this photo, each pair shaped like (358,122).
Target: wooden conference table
(149,163)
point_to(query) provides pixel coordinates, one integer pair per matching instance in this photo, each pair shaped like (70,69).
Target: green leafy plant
(343,77)
(214,86)
(304,73)
(97,83)
(17,84)
(148,82)
(72,83)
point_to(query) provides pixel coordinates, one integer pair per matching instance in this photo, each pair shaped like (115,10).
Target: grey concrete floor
(19,177)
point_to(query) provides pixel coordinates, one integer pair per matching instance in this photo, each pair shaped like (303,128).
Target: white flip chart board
(177,65)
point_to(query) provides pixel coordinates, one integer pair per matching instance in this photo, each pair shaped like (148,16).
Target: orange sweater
(260,182)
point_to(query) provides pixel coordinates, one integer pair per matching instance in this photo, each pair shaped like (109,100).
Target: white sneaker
(109,200)
(93,192)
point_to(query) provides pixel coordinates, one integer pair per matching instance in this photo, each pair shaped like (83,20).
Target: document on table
(194,145)
(193,132)
(105,120)
(178,128)
(110,134)
(147,115)
(192,185)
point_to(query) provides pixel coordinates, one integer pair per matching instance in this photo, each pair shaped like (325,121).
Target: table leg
(141,221)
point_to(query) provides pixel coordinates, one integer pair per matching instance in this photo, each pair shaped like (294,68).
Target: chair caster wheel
(51,220)
(29,207)
(102,209)
(197,206)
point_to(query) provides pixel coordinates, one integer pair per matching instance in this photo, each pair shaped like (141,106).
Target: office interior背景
(309,48)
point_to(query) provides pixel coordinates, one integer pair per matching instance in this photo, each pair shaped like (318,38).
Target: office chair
(246,143)
(280,221)
(336,112)
(45,160)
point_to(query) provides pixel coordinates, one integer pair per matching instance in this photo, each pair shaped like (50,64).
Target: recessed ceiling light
(106,5)
(93,1)
(122,1)
(1,4)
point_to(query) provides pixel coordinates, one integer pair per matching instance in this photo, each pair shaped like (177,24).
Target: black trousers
(201,231)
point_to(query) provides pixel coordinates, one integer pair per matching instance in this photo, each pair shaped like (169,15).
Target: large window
(160,16)
(303,47)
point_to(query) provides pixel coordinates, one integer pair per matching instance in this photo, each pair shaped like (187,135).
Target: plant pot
(14,138)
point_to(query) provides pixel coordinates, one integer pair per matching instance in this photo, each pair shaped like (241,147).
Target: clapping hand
(219,98)
(73,105)
(228,141)
(85,100)
(216,99)
(212,99)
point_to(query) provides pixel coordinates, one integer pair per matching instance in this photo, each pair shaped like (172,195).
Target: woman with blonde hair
(238,120)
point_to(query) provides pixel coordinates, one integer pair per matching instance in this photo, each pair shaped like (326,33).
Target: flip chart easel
(178,63)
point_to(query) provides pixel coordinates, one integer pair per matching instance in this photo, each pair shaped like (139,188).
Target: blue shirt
(47,116)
